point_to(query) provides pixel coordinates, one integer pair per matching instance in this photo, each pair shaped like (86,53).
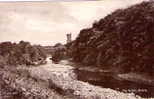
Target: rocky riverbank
(16,83)
(64,78)
(53,81)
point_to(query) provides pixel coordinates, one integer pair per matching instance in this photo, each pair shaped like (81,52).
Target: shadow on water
(107,80)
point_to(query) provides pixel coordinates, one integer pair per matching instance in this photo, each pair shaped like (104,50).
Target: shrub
(22,53)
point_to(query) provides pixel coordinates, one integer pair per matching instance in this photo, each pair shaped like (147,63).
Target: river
(108,80)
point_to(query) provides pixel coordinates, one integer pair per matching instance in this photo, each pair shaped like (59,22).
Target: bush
(22,53)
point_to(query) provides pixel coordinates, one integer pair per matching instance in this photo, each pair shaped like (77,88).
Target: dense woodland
(21,53)
(123,40)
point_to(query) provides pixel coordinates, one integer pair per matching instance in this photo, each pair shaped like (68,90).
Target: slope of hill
(124,39)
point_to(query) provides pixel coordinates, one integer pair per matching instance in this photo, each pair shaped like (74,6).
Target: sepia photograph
(77,49)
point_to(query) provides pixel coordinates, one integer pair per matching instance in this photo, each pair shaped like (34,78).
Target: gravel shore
(63,77)
(52,81)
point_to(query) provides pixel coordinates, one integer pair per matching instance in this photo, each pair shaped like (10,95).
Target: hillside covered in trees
(21,53)
(123,40)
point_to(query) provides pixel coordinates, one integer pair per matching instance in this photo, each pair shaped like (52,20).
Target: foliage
(22,53)
(124,39)
(59,52)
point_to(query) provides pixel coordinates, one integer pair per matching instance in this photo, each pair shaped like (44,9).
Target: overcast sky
(48,22)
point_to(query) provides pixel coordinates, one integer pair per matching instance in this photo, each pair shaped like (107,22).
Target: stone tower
(69,37)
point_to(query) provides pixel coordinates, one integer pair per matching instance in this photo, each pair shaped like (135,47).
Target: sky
(47,23)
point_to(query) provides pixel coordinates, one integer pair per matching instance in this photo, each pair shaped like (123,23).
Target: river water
(108,80)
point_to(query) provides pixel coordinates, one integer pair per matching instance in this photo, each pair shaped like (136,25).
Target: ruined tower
(69,37)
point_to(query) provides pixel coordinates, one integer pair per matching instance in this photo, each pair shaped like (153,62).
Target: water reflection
(107,80)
